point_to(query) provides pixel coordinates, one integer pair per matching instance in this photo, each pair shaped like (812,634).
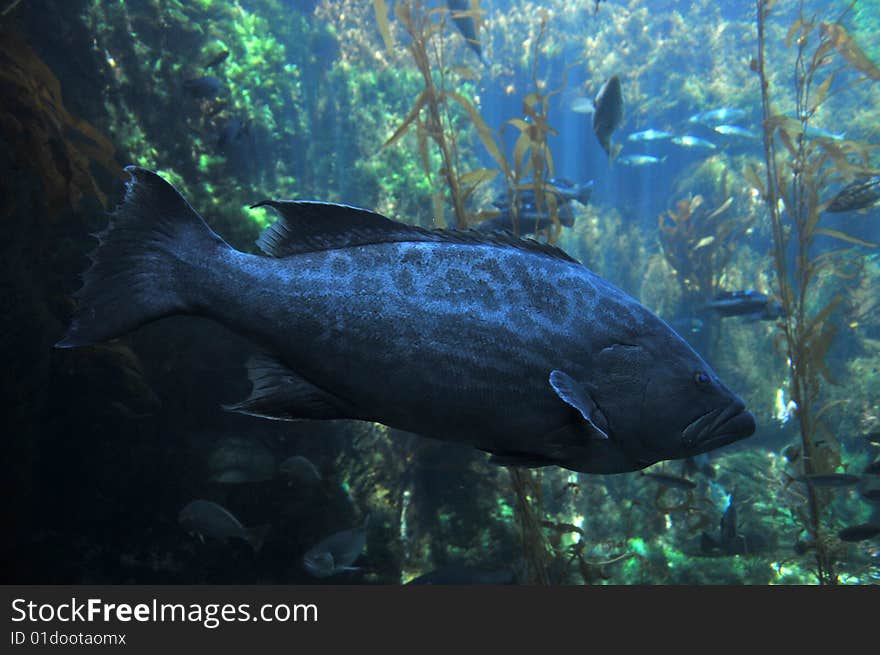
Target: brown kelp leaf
(410,117)
(843,236)
(483,131)
(439,208)
(822,91)
(798,27)
(466,73)
(519,124)
(470,181)
(523,143)
(787,141)
(548,161)
(817,321)
(381,9)
(846,46)
(829,405)
(817,350)
(424,154)
(752,177)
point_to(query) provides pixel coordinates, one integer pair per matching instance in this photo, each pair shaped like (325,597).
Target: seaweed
(698,242)
(431,113)
(798,169)
(43,135)
(437,108)
(531,150)
(529,507)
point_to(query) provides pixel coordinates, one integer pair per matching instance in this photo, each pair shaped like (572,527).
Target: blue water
(112,441)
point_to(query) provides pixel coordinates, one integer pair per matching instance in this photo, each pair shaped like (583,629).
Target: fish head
(319,563)
(662,401)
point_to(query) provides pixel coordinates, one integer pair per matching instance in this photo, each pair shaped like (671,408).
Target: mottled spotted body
(512,347)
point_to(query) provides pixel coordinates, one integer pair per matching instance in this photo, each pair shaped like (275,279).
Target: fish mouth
(719,427)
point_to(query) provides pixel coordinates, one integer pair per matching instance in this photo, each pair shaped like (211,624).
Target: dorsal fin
(310,226)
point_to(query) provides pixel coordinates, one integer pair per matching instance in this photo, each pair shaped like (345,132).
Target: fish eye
(701,378)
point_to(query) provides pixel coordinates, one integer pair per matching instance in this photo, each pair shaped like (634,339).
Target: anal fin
(520,460)
(280,394)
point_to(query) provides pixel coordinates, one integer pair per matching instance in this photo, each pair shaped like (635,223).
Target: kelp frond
(798,170)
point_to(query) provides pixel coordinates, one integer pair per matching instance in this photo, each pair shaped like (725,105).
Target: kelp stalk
(535,551)
(793,183)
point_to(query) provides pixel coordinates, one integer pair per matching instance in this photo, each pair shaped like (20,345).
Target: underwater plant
(698,242)
(798,169)
(41,134)
(438,121)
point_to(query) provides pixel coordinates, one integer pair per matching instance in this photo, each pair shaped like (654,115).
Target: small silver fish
(639,160)
(689,141)
(717,116)
(582,105)
(818,132)
(735,130)
(208,519)
(336,553)
(649,135)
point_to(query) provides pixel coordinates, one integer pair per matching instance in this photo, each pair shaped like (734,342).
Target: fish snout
(719,427)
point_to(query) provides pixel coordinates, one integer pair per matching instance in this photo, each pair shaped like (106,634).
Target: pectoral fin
(281,394)
(575,395)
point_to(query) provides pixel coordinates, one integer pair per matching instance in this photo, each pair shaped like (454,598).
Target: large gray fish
(608,113)
(506,344)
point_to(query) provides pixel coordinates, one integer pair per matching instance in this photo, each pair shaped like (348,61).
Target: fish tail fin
(256,536)
(584,192)
(136,269)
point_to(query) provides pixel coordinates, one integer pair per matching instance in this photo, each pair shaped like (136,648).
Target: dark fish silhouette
(233,130)
(699,464)
(217,59)
(860,532)
(750,303)
(859,194)
(528,221)
(207,86)
(730,540)
(563,188)
(466,24)
(505,344)
(608,112)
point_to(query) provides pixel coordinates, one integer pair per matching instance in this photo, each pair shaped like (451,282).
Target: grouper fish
(506,344)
